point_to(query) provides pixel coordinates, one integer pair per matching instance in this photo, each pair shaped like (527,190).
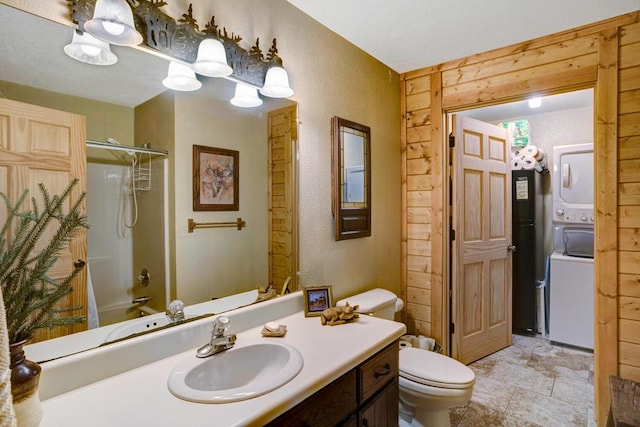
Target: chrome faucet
(219,341)
(175,312)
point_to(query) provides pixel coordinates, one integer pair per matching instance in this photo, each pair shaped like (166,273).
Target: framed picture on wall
(215,179)
(316,299)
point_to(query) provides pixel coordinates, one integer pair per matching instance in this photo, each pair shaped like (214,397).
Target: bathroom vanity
(367,395)
(349,375)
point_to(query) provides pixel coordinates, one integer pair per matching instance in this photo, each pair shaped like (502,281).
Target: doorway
(562,119)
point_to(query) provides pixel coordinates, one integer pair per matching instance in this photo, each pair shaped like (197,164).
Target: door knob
(511,248)
(79,263)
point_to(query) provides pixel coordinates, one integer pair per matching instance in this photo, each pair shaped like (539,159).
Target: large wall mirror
(140,252)
(351,178)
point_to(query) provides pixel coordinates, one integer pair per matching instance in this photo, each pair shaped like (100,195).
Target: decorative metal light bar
(180,39)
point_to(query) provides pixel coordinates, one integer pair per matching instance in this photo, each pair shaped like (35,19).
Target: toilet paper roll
(516,163)
(423,343)
(529,163)
(405,344)
(530,150)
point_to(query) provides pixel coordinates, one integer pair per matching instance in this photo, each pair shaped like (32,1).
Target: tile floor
(530,383)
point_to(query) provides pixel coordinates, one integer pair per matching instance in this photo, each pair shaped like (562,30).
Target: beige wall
(330,77)
(103,119)
(218,262)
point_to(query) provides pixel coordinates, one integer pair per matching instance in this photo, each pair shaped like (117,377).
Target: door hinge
(452,140)
(452,235)
(453,328)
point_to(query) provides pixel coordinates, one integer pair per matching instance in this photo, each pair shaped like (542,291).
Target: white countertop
(141,397)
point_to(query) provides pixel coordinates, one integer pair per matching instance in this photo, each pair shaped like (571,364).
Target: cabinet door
(327,407)
(382,411)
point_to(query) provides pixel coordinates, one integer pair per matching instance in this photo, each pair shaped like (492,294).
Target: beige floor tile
(478,415)
(544,410)
(574,392)
(522,376)
(530,383)
(492,394)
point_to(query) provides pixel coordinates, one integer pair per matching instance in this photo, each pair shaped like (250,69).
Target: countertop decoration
(266,293)
(338,315)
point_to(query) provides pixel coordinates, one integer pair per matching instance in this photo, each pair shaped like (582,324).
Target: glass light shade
(212,59)
(181,77)
(246,96)
(88,49)
(276,83)
(113,23)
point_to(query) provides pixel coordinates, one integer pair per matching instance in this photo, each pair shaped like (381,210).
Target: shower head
(112,141)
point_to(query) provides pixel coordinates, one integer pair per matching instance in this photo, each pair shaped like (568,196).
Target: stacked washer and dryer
(571,285)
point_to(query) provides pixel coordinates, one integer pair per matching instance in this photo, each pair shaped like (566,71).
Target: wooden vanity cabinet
(366,396)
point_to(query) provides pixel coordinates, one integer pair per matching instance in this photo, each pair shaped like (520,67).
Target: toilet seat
(435,370)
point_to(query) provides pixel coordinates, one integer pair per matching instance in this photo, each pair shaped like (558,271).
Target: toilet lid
(433,369)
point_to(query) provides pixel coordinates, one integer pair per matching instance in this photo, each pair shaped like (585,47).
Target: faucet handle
(220,325)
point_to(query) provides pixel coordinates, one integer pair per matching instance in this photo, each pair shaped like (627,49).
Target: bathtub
(119,313)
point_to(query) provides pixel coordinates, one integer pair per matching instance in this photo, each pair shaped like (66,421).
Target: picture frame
(215,179)
(317,299)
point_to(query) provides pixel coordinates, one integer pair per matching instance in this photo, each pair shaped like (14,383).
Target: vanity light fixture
(212,59)
(212,51)
(113,23)
(246,96)
(181,77)
(276,83)
(88,49)
(535,102)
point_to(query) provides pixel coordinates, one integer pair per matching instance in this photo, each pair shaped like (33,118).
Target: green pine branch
(30,294)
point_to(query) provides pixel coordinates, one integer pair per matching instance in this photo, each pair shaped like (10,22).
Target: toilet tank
(377,302)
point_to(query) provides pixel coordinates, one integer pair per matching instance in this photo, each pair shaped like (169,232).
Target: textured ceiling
(409,34)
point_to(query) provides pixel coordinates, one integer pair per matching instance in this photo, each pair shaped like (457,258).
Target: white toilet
(430,383)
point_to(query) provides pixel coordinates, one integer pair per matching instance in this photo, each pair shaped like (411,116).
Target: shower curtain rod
(129,149)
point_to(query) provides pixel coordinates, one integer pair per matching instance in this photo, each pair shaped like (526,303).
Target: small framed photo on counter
(317,299)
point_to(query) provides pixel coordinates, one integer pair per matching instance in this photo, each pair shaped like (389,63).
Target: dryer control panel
(572,214)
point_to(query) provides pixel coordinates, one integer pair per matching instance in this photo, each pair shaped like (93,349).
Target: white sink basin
(240,373)
(143,324)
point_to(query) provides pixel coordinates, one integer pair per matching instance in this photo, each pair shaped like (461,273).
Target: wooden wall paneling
(517,85)
(439,219)
(549,40)
(611,66)
(605,198)
(403,189)
(629,147)
(526,61)
(417,199)
(282,197)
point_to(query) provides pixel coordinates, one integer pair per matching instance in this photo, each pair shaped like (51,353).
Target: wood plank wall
(628,155)
(283,136)
(580,58)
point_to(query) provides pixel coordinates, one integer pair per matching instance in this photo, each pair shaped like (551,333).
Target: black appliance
(528,258)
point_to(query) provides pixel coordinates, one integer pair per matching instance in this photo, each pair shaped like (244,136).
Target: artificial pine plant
(30,295)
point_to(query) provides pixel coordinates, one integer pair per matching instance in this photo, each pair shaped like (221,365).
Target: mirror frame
(349,222)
